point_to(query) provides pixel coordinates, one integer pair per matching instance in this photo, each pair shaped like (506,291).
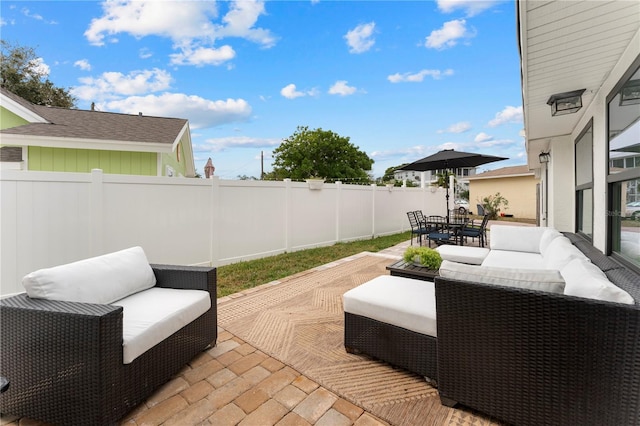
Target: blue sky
(401,79)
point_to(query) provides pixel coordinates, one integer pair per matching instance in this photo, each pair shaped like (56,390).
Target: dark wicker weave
(64,359)
(534,358)
(390,343)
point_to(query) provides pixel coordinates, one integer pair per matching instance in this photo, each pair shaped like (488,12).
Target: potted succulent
(423,256)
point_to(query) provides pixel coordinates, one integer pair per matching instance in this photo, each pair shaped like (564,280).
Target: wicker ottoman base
(396,345)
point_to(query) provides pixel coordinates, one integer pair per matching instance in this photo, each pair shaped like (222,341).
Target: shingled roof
(504,172)
(96,125)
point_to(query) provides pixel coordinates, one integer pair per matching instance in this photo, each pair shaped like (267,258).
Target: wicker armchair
(530,357)
(65,362)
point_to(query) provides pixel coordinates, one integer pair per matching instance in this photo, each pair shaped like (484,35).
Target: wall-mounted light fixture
(566,103)
(544,157)
(630,93)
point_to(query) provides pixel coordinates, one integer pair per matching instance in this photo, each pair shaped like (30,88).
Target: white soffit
(566,46)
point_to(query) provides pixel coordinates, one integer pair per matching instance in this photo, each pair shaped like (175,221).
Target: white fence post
(96,219)
(215,221)
(373,209)
(338,208)
(288,223)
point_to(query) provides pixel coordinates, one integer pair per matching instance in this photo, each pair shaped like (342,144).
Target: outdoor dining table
(453,225)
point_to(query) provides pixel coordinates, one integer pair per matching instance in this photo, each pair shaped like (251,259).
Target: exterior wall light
(630,93)
(544,157)
(566,103)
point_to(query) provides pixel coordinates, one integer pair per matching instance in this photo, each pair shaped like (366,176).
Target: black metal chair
(417,227)
(477,231)
(439,231)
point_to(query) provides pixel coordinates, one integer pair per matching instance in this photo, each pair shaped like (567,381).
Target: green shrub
(427,257)
(493,203)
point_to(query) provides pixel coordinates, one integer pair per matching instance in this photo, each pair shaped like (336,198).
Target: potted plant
(315,182)
(423,256)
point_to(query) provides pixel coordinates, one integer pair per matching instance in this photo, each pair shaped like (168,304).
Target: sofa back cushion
(547,237)
(560,252)
(532,279)
(103,279)
(584,279)
(516,238)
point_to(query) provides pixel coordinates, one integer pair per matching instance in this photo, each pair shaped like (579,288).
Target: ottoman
(393,319)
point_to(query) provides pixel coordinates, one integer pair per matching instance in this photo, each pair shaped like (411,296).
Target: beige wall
(520,191)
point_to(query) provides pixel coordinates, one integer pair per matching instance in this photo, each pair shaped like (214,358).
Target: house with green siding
(42,138)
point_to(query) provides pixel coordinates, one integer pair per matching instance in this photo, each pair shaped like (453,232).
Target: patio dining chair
(477,231)
(417,227)
(439,231)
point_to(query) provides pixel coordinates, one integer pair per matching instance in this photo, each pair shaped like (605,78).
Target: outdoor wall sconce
(630,93)
(566,103)
(544,157)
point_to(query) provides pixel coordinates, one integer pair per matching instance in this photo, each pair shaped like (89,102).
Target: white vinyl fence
(51,218)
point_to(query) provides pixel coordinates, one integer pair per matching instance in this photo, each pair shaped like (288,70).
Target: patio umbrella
(450,159)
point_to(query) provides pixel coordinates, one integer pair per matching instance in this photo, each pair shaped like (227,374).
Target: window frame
(579,189)
(613,179)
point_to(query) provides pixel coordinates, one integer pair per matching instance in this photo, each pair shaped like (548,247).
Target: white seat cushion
(403,302)
(560,252)
(152,315)
(461,254)
(102,279)
(516,238)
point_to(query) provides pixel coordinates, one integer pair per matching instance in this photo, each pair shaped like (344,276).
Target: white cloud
(220,144)
(460,127)
(203,56)
(360,39)
(83,64)
(471,7)
(145,53)
(509,114)
(26,12)
(483,137)
(115,84)
(190,25)
(448,35)
(291,92)
(39,67)
(201,113)
(419,76)
(341,88)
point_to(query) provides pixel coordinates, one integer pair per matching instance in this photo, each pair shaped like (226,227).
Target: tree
(389,175)
(319,153)
(21,73)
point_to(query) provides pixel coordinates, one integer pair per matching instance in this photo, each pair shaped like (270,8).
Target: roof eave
(78,143)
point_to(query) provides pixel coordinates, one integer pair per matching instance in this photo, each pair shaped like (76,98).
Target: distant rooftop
(504,172)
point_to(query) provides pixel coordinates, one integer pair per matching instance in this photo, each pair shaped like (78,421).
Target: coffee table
(409,270)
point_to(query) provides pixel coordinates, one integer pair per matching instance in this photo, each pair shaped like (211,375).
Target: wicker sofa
(533,357)
(64,359)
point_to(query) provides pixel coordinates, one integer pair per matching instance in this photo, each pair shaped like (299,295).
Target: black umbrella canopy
(451,159)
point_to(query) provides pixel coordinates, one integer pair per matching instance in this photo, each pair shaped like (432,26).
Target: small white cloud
(39,67)
(220,144)
(201,113)
(289,91)
(471,7)
(483,137)
(419,76)
(83,64)
(145,53)
(460,127)
(203,56)
(360,39)
(110,85)
(448,35)
(509,114)
(342,88)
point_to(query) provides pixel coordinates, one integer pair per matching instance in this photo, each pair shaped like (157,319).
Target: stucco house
(41,138)
(517,184)
(580,67)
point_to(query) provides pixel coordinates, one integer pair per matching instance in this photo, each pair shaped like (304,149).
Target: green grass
(244,275)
